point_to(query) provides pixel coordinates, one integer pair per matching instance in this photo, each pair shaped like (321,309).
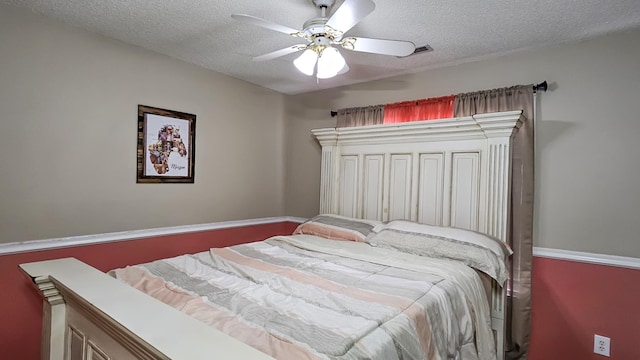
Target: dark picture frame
(166,146)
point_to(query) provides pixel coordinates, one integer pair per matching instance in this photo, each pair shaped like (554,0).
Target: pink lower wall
(571,300)
(21,304)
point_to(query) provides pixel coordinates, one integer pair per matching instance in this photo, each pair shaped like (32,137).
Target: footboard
(89,315)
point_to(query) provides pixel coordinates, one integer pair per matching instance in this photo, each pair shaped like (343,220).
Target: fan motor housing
(317,33)
(321,40)
(314,26)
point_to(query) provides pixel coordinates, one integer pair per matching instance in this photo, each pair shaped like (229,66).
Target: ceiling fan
(320,54)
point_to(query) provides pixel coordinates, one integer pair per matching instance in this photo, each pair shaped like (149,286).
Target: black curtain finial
(543,86)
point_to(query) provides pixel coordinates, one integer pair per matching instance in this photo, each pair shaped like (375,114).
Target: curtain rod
(543,86)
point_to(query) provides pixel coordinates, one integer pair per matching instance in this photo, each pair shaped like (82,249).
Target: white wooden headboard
(450,172)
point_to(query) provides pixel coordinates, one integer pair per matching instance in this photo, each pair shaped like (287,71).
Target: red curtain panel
(416,110)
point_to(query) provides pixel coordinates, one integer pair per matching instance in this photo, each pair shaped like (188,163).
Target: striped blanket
(305,297)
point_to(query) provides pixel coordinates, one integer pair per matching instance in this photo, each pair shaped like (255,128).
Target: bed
(417,184)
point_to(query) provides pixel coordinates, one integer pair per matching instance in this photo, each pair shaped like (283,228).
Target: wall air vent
(419,50)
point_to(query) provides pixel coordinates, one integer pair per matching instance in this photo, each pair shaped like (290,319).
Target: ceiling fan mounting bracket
(323,3)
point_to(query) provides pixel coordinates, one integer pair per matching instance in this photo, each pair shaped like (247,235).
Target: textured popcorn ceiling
(202,32)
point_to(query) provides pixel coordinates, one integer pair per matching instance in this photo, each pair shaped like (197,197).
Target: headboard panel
(451,172)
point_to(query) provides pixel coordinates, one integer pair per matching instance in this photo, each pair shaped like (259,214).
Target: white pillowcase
(494,244)
(479,251)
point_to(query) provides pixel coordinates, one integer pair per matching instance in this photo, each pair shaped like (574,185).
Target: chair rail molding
(57,243)
(586,257)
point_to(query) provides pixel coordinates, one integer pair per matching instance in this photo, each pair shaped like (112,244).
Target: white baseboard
(585,257)
(49,244)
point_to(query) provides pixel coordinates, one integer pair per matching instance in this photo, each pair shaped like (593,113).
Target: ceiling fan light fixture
(306,62)
(330,63)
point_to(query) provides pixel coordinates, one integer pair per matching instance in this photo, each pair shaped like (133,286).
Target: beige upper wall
(68,102)
(587,196)
(68,108)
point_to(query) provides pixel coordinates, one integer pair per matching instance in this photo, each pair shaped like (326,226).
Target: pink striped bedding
(306,297)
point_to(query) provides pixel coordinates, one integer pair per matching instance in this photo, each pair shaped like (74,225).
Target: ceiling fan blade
(350,13)
(279,53)
(249,19)
(379,46)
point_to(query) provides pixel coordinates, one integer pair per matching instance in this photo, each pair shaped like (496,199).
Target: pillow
(494,244)
(337,227)
(479,251)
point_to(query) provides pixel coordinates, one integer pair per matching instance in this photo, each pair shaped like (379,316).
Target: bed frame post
(499,318)
(53,320)
(499,140)
(328,173)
